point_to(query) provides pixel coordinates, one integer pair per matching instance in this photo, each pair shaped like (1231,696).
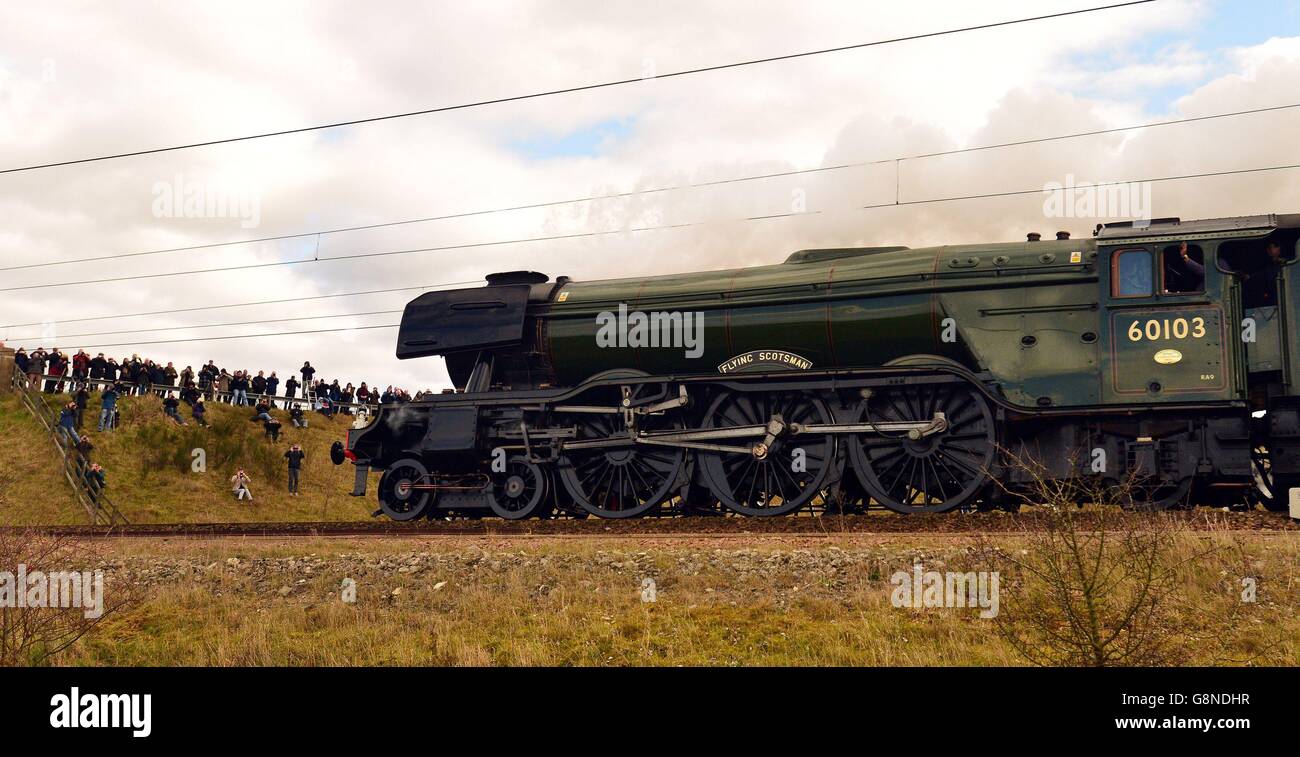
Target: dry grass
(546,602)
(150,479)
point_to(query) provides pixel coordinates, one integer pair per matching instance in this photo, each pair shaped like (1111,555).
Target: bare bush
(35,635)
(1095,581)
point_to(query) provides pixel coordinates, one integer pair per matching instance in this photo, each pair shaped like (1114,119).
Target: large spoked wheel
(936,473)
(1272,493)
(518,492)
(623,481)
(398,497)
(792,473)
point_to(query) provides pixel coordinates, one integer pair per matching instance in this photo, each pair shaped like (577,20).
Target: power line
(249,304)
(986,195)
(590,234)
(569,90)
(65,337)
(237,336)
(656,190)
(444,248)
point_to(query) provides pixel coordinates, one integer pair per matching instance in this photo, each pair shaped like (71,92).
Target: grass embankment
(152,473)
(466,601)
(36,491)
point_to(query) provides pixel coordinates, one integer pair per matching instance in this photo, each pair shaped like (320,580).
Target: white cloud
(142,75)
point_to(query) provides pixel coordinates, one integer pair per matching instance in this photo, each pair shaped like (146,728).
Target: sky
(80,79)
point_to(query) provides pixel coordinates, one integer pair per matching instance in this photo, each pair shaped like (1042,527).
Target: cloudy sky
(79,79)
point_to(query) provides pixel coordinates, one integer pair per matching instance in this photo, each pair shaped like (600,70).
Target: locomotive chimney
(1033,236)
(1062,235)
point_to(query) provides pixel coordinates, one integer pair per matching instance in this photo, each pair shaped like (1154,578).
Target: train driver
(1261,280)
(1183,273)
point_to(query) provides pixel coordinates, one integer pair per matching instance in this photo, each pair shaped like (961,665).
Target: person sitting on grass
(84,448)
(67,423)
(296,416)
(239,485)
(272,428)
(170,408)
(262,412)
(200,412)
(95,482)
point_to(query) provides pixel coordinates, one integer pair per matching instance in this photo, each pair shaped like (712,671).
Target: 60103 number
(1168,328)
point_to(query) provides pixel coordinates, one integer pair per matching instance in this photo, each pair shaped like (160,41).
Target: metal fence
(88,493)
(69,384)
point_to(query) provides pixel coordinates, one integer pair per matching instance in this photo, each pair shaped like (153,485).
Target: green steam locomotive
(1159,353)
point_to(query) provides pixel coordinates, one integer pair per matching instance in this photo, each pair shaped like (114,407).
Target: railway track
(684,527)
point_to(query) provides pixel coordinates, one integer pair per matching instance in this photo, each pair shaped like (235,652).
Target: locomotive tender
(1160,353)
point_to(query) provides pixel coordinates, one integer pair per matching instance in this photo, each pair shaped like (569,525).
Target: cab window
(1131,274)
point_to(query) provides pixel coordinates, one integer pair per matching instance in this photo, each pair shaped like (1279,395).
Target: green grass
(149,462)
(36,491)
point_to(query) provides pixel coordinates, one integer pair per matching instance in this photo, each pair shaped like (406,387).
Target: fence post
(6,368)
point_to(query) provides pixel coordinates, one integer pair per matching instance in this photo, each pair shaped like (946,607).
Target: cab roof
(1163,227)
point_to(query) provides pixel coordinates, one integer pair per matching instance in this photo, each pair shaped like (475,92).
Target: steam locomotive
(1158,352)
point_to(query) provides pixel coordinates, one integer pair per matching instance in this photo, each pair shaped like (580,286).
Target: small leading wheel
(519,491)
(398,496)
(790,475)
(935,473)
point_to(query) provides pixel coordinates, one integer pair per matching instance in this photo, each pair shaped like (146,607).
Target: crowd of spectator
(138,376)
(53,372)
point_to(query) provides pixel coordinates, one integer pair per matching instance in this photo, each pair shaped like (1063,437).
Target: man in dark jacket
(272,386)
(295,456)
(307,373)
(258,384)
(1260,289)
(84,448)
(68,423)
(81,398)
(200,412)
(171,408)
(97,365)
(239,389)
(291,387)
